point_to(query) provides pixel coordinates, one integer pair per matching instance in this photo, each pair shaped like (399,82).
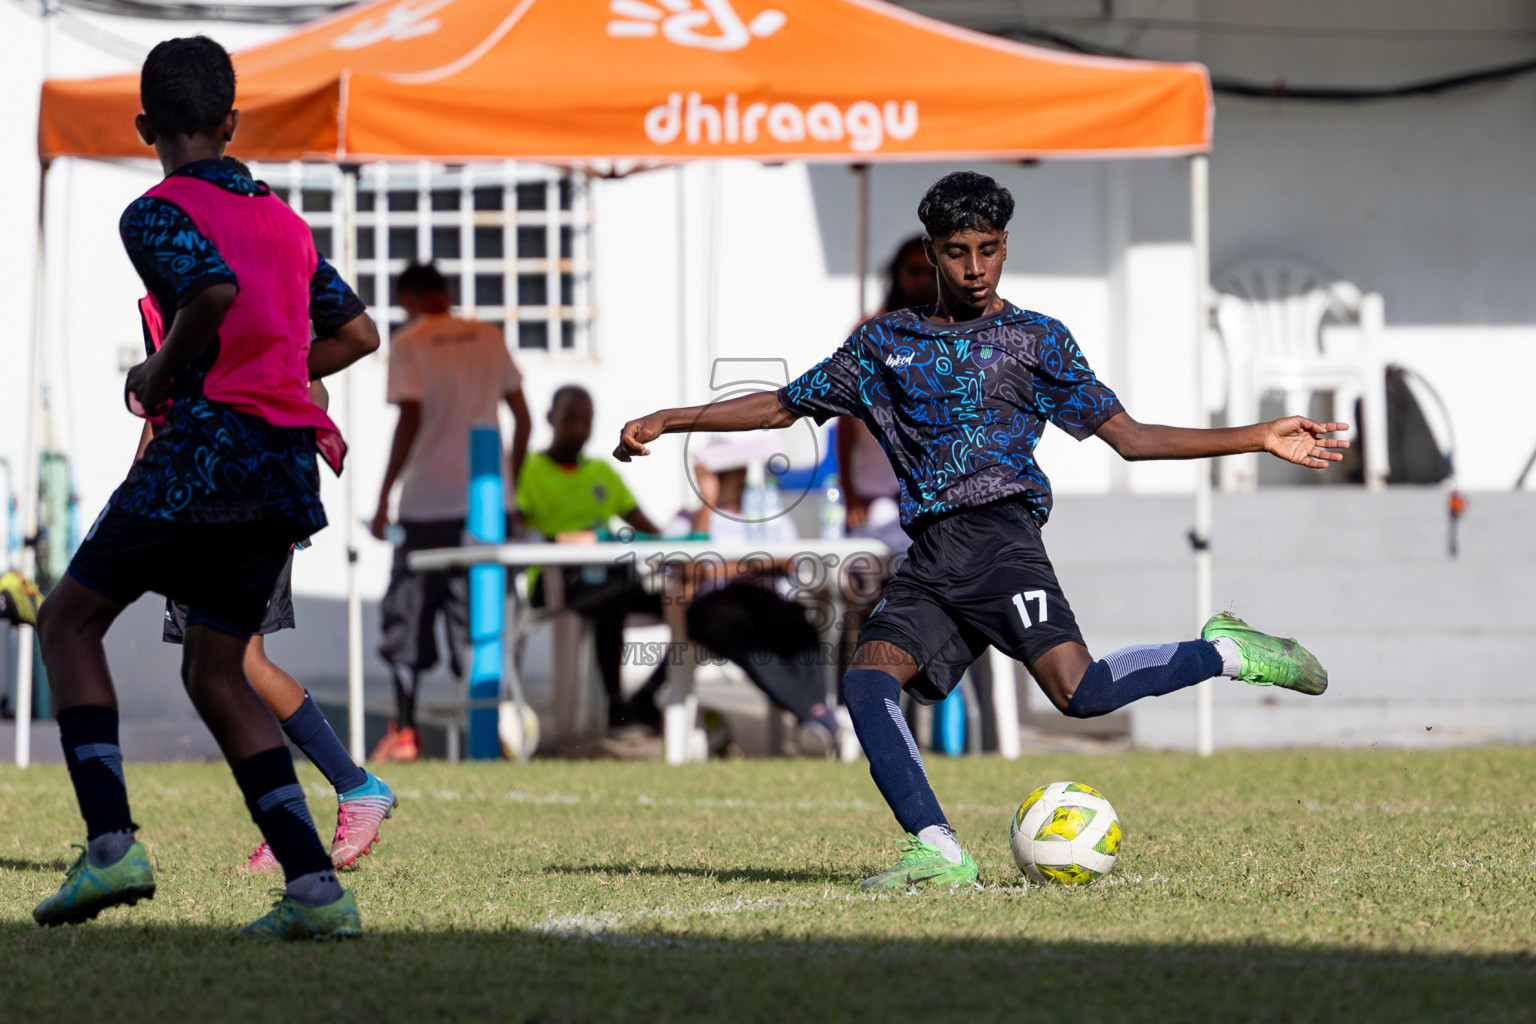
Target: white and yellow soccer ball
(1065,832)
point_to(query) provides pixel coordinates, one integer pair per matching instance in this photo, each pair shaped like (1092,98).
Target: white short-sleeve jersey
(460,371)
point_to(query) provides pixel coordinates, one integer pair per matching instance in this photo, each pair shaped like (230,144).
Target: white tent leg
(861,243)
(346,258)
(27,493)
(1005,705)
(1200,234)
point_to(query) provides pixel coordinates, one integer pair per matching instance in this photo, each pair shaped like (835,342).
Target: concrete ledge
(141,739)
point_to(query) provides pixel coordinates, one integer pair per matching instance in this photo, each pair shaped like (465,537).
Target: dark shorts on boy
(223,572)
(414,600)
(972,580)
(279,610)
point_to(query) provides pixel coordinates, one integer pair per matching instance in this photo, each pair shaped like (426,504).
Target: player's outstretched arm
(1294,439)
(762,411)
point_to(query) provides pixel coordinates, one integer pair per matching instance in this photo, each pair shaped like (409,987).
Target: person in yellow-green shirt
(562,493)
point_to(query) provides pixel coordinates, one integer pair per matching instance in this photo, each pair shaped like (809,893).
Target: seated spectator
(565,495)
(745,618)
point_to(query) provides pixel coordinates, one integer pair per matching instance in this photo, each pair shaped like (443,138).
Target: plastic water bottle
(834,514)
(754,503)
(773,508)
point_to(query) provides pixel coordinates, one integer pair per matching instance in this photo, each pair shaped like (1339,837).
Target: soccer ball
(1065,832)
(518,735)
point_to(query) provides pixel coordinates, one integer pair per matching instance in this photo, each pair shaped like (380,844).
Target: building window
(514,241)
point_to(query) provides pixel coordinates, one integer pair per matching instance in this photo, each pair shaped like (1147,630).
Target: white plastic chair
(1271,314)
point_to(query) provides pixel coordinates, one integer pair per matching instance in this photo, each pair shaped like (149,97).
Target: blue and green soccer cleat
(924,865)
(293,921)
(88,889)
(1268,660)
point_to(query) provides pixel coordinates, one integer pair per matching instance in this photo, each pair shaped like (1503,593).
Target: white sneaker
(848,748)
(814,739)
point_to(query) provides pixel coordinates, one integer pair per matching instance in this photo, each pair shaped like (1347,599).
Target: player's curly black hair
(965,200)
(187,86)
(421,280)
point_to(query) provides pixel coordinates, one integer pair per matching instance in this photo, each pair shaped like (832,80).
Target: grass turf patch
(1288,886)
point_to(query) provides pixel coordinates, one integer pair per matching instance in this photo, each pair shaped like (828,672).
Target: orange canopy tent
(656,81)
(648,82)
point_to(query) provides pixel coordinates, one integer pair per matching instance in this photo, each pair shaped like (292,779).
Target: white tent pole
(1200,234)
(346,258)
(682,286)
(712,246)
(862,241)
(28,490)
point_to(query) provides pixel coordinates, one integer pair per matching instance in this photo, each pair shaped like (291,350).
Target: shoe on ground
(848,748)
(262,861)
(359,813)
(290,920)
(88,889)
(815,739)
(19,598)
(626,717)
(397,747)
(923,866)
(1269,660)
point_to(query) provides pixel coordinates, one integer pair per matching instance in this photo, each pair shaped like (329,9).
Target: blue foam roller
(487,524)
(949,724)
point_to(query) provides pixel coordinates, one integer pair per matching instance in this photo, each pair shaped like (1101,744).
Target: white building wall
(1428,201)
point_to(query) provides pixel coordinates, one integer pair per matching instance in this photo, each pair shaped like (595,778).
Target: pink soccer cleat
(359,813)
(261,861)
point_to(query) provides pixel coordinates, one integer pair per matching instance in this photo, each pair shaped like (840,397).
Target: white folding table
(815,567)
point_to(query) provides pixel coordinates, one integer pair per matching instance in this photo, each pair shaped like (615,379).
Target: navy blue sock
(873,699)
(1145,670)
(311,733)
(88,734)
(276,802)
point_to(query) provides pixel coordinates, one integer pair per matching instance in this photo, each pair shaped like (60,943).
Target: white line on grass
(604,927)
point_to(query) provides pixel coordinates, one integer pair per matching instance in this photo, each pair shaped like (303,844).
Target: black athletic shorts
(972,580)
(414,600)
(279,610)
(223,572)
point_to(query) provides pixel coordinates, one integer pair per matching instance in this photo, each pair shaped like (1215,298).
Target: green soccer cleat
(292,921)
(924,865)
(88,889)
(1268,660)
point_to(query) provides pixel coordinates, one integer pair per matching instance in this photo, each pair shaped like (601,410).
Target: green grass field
(1290,886)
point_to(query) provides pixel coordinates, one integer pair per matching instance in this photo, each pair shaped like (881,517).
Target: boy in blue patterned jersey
(958,395)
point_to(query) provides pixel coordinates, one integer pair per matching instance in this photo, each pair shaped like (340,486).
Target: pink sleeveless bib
(264,339)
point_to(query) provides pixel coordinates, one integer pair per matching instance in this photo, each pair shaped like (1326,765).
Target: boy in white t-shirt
(448,375)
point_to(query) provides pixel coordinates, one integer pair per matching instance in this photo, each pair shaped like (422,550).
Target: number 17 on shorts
(1021,602)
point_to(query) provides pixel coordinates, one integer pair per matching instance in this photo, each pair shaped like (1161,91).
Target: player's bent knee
(885,657)
(255,659)
(1062,699)
(48,620)
(210,657)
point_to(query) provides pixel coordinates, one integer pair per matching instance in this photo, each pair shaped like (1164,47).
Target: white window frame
(568,317)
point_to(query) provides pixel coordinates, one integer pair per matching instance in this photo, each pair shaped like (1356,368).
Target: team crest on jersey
(989,345)
(985,355)
(600,494)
